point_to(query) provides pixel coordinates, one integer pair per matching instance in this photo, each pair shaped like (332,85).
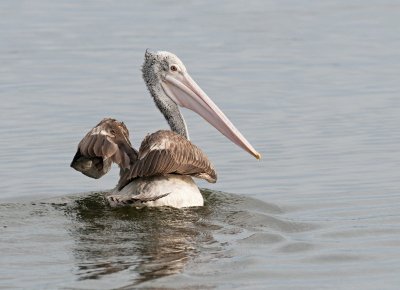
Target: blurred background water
(314,86)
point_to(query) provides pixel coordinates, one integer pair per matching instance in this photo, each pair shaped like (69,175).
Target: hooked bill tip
(257,155)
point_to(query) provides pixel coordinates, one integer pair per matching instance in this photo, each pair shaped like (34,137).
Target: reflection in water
(97,247)
(153,242)
(139,245)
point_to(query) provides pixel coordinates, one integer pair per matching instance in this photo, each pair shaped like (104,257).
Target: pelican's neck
(170,111)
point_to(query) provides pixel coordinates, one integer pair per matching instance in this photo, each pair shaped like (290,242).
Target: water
(312,85)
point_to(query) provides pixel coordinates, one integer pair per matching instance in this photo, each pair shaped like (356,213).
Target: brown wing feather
(166,152)
(107,142)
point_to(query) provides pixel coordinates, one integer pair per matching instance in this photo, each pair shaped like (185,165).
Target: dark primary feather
(94,167)
(107,142)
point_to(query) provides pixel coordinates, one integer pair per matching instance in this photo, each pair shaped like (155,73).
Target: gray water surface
(314,86)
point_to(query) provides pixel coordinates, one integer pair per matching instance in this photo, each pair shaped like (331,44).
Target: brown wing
(166,152)
(107,142)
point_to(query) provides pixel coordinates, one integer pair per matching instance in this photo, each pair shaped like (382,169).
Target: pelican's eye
(174,67)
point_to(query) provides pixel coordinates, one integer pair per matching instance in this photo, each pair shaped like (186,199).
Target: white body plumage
(176,190)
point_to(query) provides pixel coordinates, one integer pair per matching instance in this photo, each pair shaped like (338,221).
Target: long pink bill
(183,90)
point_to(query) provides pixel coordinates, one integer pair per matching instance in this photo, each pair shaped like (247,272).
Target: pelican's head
(157,65)
(164,72)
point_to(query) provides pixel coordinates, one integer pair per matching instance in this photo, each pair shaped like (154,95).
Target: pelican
(160,173)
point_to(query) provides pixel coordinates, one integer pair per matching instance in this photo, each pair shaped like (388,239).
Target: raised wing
(107,142)
(166,152)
